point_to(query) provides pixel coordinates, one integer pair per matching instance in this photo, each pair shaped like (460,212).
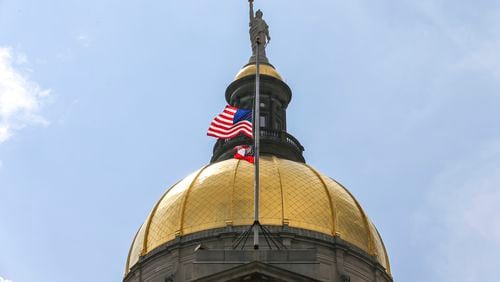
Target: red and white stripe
(222,126)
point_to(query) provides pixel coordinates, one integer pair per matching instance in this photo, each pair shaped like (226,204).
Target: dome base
(209,256)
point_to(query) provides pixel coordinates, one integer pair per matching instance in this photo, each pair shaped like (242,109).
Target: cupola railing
(279,143)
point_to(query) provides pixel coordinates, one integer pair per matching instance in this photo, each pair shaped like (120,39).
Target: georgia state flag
(244,152)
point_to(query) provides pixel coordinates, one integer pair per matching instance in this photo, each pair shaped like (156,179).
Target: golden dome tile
(264,69)
(308,204)
(242,207)
(291,192)
(164,222)
(136,248)
(350,221)
(379,247)
(216,205)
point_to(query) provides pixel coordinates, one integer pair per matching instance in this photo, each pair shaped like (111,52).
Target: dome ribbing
(292,193)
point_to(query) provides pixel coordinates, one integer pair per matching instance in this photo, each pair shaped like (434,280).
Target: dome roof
(265,69)
(292,193)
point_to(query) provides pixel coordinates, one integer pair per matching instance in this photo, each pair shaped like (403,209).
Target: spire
(275,95)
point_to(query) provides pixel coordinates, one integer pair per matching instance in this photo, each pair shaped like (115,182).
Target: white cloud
(4,280)
(20,98)
(83,39)
(484,58)
(460,219)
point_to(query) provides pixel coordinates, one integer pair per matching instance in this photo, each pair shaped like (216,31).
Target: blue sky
(105,104)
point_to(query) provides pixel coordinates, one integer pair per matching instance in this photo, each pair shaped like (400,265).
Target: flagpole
(256,138)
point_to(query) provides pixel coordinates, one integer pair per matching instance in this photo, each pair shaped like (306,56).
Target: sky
(105,104)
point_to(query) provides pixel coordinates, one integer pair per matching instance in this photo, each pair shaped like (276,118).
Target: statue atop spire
(259,35)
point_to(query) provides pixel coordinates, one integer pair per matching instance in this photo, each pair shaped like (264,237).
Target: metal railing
(265,135)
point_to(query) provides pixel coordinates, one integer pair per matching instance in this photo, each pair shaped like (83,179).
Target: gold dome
(264,69)
(292,193)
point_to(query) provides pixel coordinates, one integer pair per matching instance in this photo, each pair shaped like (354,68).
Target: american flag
(231,122)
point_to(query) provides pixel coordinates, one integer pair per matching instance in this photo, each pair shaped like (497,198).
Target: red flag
(244,152)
